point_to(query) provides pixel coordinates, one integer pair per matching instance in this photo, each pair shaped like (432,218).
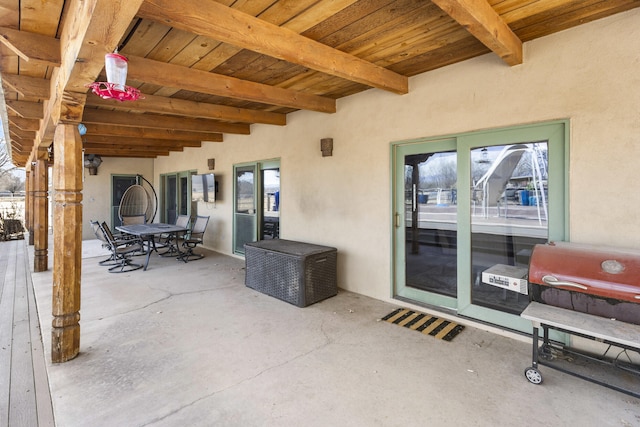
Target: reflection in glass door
(245,207)
(431,222)
(509,215)
(270,189)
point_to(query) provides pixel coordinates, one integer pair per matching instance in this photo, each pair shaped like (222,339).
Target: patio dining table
(148,232)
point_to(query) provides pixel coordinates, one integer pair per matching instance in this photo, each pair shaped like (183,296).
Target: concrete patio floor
(190,345)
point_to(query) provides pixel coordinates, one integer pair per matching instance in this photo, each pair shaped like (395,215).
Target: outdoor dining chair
(133,219)
(194,238)
(171,240)
(121,251)
(97,230)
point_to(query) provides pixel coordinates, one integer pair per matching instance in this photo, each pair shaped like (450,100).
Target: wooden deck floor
(25,399)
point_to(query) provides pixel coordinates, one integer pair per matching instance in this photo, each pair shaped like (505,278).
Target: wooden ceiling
(208,68)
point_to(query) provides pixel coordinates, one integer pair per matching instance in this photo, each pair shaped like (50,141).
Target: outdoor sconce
(326,146)
(92,162)
(115,87)
(211,163)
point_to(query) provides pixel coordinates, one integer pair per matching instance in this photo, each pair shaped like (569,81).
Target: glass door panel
(245,207)
(119,184)
(270,189)
(425,223)
(171,198)
(509,215)
(431,222)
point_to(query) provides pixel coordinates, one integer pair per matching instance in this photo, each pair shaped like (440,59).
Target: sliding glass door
(256,203)
(472,205)
(175,196)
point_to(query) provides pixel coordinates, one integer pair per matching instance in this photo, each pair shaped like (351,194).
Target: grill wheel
(533,375)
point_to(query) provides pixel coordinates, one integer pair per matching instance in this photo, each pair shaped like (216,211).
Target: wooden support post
(28,203)
(41,216)
(67,243)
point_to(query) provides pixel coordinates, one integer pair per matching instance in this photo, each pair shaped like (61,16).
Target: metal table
(148,232)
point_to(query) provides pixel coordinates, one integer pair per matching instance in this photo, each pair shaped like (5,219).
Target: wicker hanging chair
(138,204)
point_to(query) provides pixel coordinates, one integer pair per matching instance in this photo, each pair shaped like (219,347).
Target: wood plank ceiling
(208,68)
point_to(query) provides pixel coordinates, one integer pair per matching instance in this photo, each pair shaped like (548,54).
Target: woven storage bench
(295,272)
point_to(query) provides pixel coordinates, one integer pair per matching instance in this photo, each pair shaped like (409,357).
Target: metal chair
(194,238)
(97,230)
(133,219)
(170,240)
(121,251)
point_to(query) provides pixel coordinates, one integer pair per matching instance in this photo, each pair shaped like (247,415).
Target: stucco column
(67,243)
(41,216)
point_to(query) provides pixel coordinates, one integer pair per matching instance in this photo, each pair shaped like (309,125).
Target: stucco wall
(96,193)
(590,75)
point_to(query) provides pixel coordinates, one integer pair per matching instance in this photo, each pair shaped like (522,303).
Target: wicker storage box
(295,272)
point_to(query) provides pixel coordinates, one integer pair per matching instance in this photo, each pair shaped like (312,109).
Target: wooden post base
(40,260)
(65,338)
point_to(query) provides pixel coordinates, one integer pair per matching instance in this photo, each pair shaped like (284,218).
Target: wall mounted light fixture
(91,162)
(326,146)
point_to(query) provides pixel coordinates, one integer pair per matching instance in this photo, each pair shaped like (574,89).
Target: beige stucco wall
(96,193)
(590,75)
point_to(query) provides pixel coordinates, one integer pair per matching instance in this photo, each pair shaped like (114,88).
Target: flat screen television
(203,188)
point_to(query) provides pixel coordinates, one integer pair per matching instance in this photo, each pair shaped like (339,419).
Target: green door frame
(183,198)
(252,220)
(557,135)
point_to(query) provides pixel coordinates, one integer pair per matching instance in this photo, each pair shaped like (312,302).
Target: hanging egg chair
(139,203)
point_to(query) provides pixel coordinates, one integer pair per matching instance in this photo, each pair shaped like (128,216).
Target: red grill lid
(606,272)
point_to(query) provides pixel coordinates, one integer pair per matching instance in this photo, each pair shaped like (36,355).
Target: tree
(8,181)
(6,165)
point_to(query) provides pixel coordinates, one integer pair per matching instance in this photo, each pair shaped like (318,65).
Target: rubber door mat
(425,323)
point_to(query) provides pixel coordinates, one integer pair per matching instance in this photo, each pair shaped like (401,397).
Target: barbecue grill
(590,292)
(593,280)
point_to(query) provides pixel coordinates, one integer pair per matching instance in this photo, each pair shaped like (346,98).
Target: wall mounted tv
(203,188)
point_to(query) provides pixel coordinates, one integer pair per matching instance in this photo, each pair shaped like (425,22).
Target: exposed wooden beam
(222,23)
(92,146)
(170,134)
(164,105)
(110,152)
(23,134)
(20,144)
(479,18)
(161,122)
(32,47)
(25,124)
(163,74)
(128,142)
(26,109)
(28,87)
